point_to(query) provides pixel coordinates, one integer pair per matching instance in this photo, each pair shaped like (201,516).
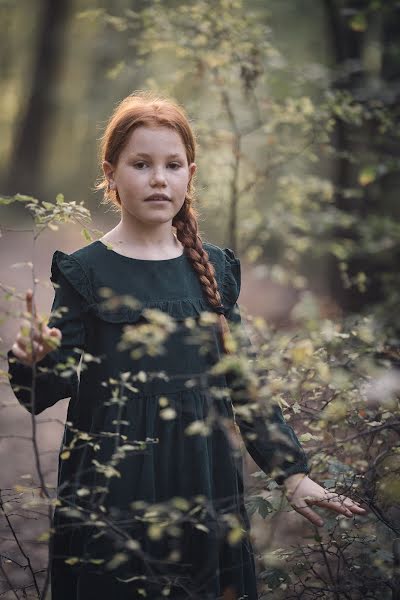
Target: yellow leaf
(154,532)
(324,372)
(359,22)
(168,413)
(335,411)
(235,535)
(43,537)
(302,352)
(306,437)
(21,488)
(180,503)
(366,176)
(142,376)
(96,561)
(71,561)
(118,559)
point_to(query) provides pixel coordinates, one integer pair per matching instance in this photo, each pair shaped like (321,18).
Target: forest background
(296,109)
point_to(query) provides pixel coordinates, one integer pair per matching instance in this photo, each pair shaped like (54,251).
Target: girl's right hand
(45,339)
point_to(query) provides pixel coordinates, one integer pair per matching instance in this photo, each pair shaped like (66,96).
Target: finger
(38,346)
(334,505)
(29,350)
(22,341)
(354,506)
(43,329)
(309,514)
(25,328)
(30,305)
(52,339)
(25,335)
(55,332)
(357,509)
(347,504)
(28,326)
(20,354)
(335,497)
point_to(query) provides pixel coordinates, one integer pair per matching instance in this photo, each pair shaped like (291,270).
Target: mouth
(157,198)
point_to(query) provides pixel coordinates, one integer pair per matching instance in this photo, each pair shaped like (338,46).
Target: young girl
(150,489)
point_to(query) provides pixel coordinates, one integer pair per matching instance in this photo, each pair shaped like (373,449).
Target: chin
(156,219)
(157,216)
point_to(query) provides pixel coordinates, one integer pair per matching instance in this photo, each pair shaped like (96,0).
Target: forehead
(154,141)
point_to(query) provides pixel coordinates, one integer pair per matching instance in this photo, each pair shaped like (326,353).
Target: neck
(142,238)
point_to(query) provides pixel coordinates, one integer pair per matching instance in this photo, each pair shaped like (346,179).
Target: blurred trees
(26,168)
(366,65)
(308,152)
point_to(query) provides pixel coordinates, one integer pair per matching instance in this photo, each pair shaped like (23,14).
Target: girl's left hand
(301,492)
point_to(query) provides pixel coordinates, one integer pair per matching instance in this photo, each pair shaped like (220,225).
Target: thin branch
(11,527)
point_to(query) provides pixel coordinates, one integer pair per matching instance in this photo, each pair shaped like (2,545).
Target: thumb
(54,332)
(53,338)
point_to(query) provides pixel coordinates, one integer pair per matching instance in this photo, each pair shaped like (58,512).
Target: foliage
(288,138)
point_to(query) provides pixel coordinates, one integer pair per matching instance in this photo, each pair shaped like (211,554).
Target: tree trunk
(25,171)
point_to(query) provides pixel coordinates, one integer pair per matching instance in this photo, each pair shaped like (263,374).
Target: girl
(150,490)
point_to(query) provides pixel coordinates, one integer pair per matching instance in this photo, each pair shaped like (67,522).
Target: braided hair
(149,109)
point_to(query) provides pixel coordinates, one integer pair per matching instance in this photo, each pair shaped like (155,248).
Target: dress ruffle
(227,272)
(231,280)
(73,271)
(177,309)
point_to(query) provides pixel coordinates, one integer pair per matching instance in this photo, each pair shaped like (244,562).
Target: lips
(154,197)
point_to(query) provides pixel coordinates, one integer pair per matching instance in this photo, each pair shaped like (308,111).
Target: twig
(10,525)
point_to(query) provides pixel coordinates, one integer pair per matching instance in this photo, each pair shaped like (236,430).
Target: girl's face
(152,163)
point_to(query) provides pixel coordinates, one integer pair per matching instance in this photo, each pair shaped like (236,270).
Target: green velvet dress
(150,487)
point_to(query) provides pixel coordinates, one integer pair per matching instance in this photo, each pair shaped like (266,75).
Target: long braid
(186,223)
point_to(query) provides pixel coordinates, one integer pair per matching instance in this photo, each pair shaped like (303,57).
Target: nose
(158,176)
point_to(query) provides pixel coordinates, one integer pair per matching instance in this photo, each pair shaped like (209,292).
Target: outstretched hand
(302,492)
(35,339)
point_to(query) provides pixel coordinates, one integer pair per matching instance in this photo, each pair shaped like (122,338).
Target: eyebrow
(145,155)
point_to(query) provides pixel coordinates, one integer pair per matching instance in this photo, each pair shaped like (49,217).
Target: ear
(192,170)
(108,170)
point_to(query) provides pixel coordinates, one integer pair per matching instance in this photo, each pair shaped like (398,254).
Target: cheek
(134,178)
(182,180)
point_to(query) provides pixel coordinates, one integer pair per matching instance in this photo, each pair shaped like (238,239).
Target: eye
(175,166)
(140,162)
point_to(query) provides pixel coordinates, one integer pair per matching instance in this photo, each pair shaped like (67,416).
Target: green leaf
(24,198)
(260,505)
(4,200)
(367,175)
(86,235)
(274,577)
(359,22)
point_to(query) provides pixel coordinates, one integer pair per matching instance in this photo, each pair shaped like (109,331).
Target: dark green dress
(150,488)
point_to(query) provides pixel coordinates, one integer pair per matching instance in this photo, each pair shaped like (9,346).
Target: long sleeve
(270,441)
(53,381)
